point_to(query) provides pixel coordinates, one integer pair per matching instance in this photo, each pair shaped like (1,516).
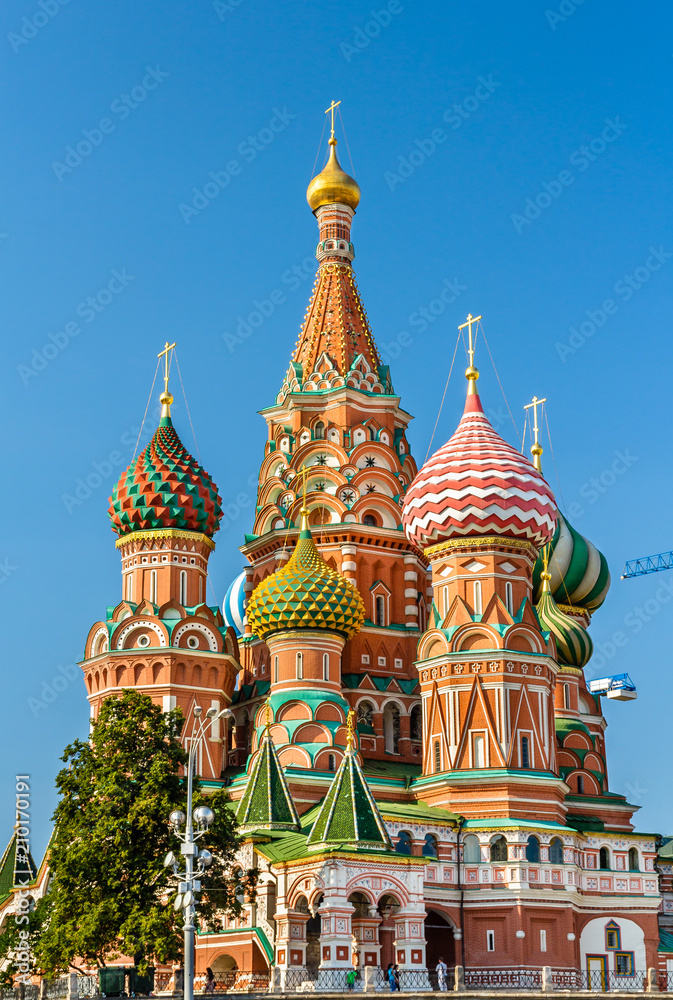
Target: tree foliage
(109,893)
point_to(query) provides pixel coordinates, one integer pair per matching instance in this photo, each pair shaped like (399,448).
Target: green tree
(109,892)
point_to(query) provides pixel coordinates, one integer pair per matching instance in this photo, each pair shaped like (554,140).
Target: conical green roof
(17,868)
(267,803)
(349,816)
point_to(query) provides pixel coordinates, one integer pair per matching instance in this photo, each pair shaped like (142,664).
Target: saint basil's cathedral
(416,763)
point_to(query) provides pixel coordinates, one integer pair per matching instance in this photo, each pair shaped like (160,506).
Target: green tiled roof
(418,811)
(349,816)
(15,871)
(565,726)
(266,803)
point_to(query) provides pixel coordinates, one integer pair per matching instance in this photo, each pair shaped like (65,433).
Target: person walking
(209,986)
(441,971)
(390,974)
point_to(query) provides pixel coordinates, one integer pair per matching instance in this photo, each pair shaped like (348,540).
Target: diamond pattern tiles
(478,484)
(349,816)
(306,593)
(165,488)
(267,803)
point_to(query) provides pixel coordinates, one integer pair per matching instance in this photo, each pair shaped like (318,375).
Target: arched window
(478,751)
(319,430)
(566,695)
(633,860)
(498,848)
(391,728)
(604,859)
(403,845)
(445,600)
(200,590)
(556,851)
(331,762)
(275,669)
(300,666)
(416,723)
(153,586)
(471,850)
(533,850)
(525,752)
(325,666)
(477,597)
(183,587)
(580,784)
(509,598)
(380,610)
(129,588)
(430,846)
(366,713)
(438,756)
(369,520)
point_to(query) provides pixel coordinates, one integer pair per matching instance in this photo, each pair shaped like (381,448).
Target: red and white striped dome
(477,484)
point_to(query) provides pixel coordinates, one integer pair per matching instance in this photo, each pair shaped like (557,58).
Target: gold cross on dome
(166,355)
(536,402)
(471,342)
(333,105)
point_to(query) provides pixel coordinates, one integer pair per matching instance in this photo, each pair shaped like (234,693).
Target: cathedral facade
(417,765)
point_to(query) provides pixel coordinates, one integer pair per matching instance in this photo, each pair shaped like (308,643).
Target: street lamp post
(196,861)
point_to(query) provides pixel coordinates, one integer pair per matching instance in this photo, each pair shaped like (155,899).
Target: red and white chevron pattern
(477,484)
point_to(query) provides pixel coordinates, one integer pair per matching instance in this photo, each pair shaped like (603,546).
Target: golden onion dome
(333,185)
(306,593)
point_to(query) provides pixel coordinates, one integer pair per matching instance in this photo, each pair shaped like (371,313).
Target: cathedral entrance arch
(439,939)
(313,927)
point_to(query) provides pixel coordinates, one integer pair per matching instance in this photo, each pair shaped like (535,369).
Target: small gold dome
(332,185)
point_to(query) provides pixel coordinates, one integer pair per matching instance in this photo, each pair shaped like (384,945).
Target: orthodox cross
(333,105)
(166,355)
(471,342)
(536,402)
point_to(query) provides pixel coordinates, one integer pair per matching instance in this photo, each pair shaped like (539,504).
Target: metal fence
(503,979)
(55,989)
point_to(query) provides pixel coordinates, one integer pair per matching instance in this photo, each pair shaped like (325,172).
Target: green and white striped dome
(573,643)
(579,572)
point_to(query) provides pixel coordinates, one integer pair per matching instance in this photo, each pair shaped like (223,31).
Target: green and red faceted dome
(165,488)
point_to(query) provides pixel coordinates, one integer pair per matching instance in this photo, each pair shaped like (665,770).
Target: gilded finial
(536,448)
(267,715)
(545,575)
(471,373)
(333,186)
(350,731)
(166,398)
(303,473)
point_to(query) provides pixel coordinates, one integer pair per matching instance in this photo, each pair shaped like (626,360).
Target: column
(410,592)
(348,563)
(410,947)
(366,934)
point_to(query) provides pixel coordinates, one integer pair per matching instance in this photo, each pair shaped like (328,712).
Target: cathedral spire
(335,346)
(267,803)
(349,817)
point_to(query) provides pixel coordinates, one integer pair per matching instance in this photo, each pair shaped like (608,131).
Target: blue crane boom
(648,564)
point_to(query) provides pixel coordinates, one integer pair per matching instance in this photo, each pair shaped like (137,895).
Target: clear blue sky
(567,118)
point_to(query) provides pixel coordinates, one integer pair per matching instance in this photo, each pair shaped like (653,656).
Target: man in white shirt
(441,971)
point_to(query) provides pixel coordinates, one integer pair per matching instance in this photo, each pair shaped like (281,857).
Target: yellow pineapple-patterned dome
(306,593)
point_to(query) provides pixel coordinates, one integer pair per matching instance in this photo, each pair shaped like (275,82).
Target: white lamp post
(190,829)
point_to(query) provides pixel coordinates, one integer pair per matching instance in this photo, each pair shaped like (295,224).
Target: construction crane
(619,687)
(648,564)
